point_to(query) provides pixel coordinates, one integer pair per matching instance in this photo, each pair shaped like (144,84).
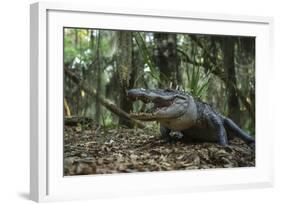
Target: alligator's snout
(163,103)
(133,93)
(138,94)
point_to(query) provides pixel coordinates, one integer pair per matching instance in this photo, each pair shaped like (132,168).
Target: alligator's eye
(180,97)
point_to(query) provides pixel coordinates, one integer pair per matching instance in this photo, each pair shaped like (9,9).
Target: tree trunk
(231,85)
(98,80)
(124,69)
(166,58)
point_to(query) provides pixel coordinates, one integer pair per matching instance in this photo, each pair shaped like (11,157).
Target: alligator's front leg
(166,134)
(217,124)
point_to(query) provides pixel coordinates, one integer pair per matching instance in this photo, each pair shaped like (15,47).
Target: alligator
(183,116)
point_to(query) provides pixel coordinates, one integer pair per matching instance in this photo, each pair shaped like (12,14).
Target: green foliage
(148,58)
(198,82)
(77,52)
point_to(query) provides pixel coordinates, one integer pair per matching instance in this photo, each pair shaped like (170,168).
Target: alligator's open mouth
(153,106)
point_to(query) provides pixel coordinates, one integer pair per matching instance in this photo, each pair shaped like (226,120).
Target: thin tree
(228,44)
(124,69)
(166,58)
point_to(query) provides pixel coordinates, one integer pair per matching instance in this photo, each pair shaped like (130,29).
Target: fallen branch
(105,102)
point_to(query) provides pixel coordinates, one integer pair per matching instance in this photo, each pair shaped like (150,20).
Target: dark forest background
(100,65)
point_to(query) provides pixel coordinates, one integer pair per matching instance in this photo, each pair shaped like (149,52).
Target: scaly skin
(192,119)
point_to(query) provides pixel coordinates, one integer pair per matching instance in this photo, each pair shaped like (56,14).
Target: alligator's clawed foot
(173,137)
(253,146)
(176,135)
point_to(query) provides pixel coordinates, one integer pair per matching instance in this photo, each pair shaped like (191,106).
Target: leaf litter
(122,150)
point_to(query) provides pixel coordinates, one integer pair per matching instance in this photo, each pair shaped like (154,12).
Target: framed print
(128,101)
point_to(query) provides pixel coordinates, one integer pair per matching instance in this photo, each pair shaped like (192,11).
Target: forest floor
(94,150)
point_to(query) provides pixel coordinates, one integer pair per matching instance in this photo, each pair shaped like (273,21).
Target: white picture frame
(47,182)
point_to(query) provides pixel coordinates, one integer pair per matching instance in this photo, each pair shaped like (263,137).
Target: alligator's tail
(238,132)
